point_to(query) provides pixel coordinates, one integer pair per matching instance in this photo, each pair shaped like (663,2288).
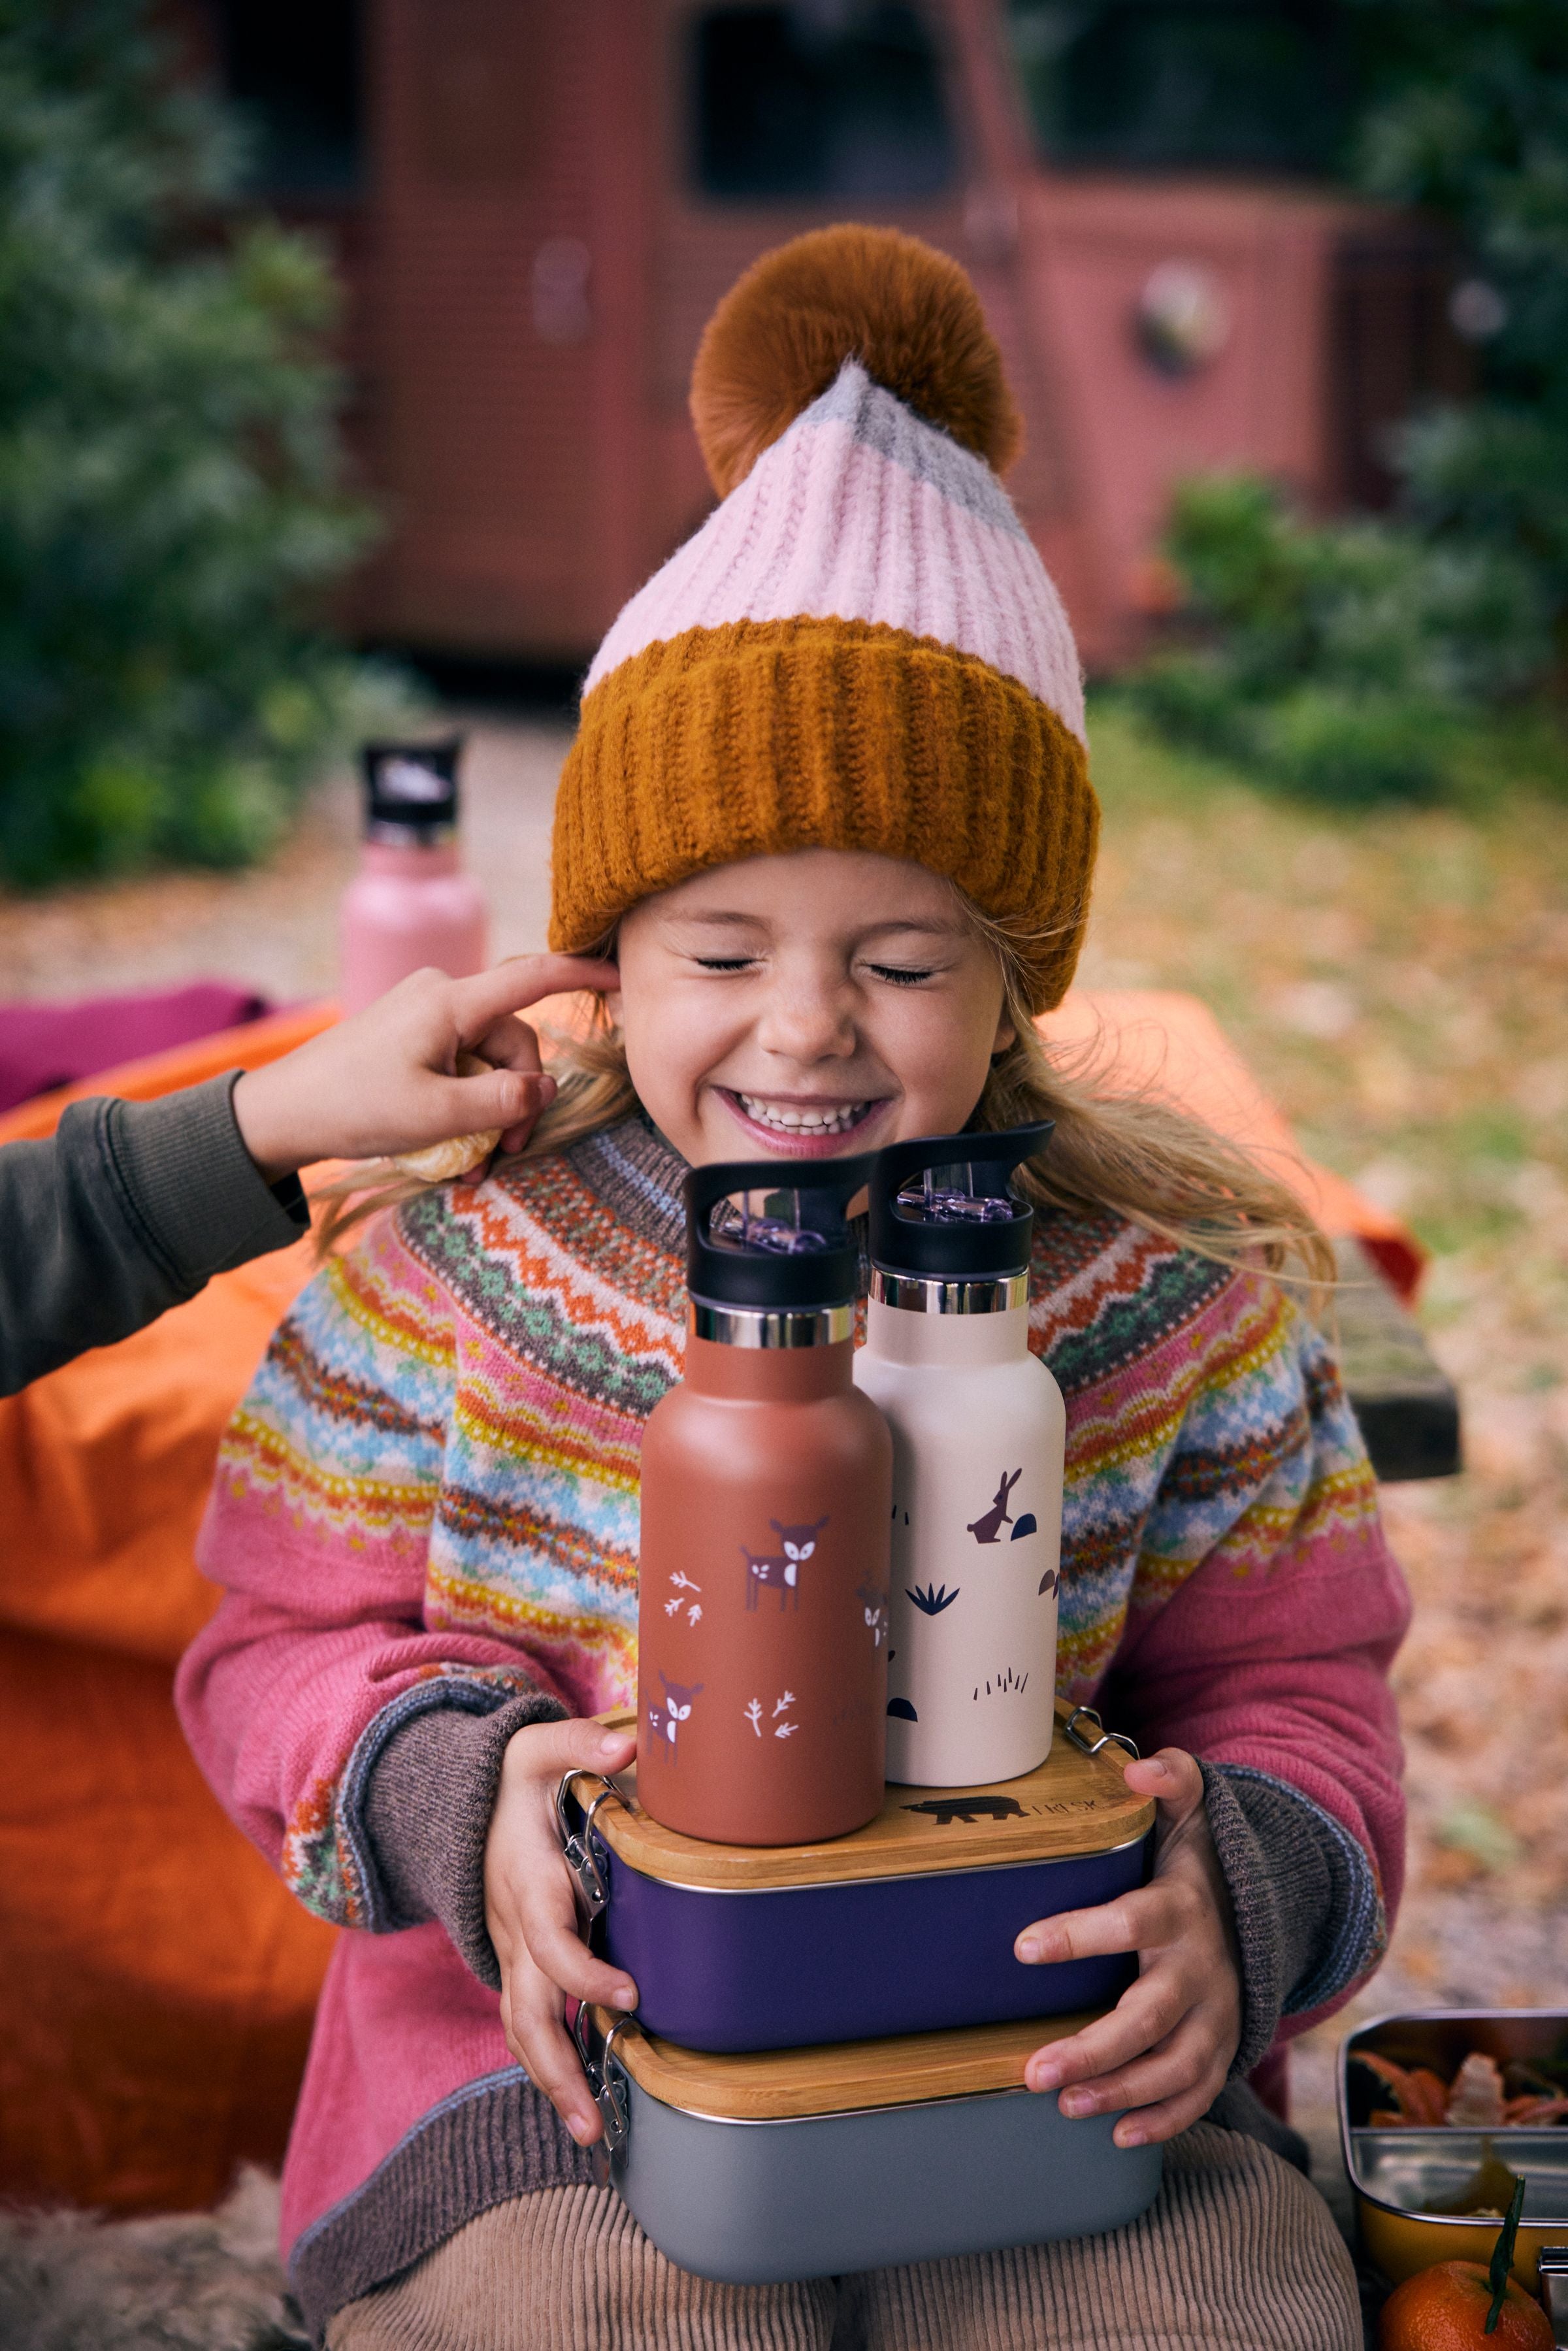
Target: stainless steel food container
(804,2163)
(1555,2288)
(1397,2175)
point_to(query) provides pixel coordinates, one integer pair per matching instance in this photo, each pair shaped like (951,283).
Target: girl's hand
(384,1081)
(532,1916)
(1165,2050)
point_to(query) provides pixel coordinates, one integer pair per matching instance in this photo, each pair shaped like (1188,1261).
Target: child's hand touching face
(532,1915)
(1165,2050)
(385,1081)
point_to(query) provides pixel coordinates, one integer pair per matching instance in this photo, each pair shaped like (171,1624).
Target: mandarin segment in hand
(440,1161)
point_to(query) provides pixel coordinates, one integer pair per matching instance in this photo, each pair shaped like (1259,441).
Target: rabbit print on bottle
(987,1529)
(973,1412)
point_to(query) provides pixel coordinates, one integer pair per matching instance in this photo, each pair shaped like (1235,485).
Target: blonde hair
(1128,1151)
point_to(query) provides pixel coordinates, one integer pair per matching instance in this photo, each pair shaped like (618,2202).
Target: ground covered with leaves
(1398,980)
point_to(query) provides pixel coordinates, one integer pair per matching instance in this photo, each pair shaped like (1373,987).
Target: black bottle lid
(412,785)
(964,1222)
(774,1234)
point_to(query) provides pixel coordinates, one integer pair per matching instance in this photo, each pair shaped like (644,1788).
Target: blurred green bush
(1352,659)
(171,501)
(1342,659)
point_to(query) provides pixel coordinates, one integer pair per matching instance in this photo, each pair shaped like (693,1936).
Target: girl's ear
(1007,1036)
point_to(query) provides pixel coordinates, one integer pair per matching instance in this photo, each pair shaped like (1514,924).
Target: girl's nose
(807,1021)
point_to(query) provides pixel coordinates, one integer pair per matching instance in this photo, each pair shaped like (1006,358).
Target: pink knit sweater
(425,1522)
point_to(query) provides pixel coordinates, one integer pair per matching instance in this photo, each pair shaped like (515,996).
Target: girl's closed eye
(899,975)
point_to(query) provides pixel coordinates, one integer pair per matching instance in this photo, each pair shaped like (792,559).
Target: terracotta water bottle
(977,1430)
(767,1494)
(410,904)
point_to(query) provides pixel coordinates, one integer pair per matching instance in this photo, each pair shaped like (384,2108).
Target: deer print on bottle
(989,1528)
(665,1721)
(874,1605)
(783,1567)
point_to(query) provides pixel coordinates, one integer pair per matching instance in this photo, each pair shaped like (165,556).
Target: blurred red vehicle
(535,203)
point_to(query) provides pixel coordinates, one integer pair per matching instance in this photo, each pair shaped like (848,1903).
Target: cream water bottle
(410,904)
(977,1430)
(765,1506)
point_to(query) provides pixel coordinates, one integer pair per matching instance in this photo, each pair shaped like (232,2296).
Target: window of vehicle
(1214,84)
(836,98)
(293,67)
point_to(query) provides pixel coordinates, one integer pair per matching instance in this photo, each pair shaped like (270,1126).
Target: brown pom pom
(782,332)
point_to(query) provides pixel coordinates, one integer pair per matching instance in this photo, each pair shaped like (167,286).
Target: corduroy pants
(1237,2251)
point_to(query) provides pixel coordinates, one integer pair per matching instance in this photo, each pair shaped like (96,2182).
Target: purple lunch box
(906,1926)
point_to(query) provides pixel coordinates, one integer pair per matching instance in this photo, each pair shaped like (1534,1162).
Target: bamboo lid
(1074,1804)
(780,2084)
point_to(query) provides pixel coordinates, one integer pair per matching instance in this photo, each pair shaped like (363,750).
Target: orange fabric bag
(159,1983)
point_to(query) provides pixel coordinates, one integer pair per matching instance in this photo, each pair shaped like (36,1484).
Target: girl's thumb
(1173,1779)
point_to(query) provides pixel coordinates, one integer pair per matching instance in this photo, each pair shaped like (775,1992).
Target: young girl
(827,835)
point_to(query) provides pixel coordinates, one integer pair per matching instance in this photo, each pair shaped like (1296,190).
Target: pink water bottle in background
(410,904)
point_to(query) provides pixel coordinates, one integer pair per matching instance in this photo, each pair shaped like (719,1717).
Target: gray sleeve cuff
(1308,1918)
(416,1804)
(201,1200)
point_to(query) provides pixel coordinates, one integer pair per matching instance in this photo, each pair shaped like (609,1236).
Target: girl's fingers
(1152,2125)
(1141,2019)
(558,1951)
(1187,2061)
(553,1749)
(1173,1779)
(1137,1921)
(543,2047)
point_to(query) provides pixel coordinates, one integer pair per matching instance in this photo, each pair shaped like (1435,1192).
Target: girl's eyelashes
(901,974)
(896,974)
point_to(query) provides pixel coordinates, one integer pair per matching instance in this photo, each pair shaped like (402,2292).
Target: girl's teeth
(792,1120)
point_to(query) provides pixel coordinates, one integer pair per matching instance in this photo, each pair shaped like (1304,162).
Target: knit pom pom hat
(860,649)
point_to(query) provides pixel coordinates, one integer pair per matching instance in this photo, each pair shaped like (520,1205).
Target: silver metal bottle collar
(755,1326)
(385,832)
(922,1294)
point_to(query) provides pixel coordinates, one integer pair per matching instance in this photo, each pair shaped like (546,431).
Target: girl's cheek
(941,1061)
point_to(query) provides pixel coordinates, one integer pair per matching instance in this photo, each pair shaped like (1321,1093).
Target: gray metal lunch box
(758,2169)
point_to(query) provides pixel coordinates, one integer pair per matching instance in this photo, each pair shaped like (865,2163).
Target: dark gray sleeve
(1309,1916)
(128,1209)
(417,1801)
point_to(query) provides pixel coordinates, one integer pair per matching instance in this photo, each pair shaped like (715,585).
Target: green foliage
(170,505)
(1477,128)
(1348,660)
(1341,660)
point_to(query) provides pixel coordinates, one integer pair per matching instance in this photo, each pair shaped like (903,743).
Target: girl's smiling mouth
(797,1125)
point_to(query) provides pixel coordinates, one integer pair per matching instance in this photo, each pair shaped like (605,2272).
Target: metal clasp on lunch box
(578,1850)
(607,2087)
(1106,1737)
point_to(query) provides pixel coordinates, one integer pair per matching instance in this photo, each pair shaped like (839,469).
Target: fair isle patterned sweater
(424,1521)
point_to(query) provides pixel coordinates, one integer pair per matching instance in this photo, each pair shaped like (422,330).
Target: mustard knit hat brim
(762,737)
